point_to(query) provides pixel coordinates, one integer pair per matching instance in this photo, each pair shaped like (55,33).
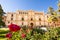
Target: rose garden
(27,33)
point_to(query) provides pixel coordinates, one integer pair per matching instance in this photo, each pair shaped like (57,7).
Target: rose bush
(20,33)
(9,35)
(23,35)
(14,28)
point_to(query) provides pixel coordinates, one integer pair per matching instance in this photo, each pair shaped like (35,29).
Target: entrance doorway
(31,24)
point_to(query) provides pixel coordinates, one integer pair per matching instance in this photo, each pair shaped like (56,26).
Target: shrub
(19,33)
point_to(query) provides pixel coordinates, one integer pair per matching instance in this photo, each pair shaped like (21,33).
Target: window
(12,15)
(31,19)
(8,22)
(39,19)
(22,23)
(22,19)
(11,18)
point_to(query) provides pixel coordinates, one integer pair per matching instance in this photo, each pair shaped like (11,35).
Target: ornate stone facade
(32,18)
(28,18)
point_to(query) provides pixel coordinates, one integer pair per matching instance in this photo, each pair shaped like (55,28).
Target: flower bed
(18,33)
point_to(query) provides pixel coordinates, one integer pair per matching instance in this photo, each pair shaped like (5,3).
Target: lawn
(3,32)
(3,38)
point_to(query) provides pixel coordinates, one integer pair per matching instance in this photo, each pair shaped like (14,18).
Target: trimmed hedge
(3,33)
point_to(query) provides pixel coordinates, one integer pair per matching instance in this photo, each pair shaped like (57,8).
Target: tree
(53,16)
(53,19)
(50,10)
(1,17)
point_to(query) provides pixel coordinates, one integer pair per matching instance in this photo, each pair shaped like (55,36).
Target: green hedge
(3,32)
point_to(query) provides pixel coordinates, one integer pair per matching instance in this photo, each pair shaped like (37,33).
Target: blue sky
(37,5)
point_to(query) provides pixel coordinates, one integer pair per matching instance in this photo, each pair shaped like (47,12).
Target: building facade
(32,18)
(27,18)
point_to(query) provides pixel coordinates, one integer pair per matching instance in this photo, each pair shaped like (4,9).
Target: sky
(37,5)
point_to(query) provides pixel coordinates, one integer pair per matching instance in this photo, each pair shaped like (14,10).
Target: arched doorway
(31,24)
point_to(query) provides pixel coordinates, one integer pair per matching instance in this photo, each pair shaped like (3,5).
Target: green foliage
(3,33)
(37,34)
(38,30)
(1,14)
